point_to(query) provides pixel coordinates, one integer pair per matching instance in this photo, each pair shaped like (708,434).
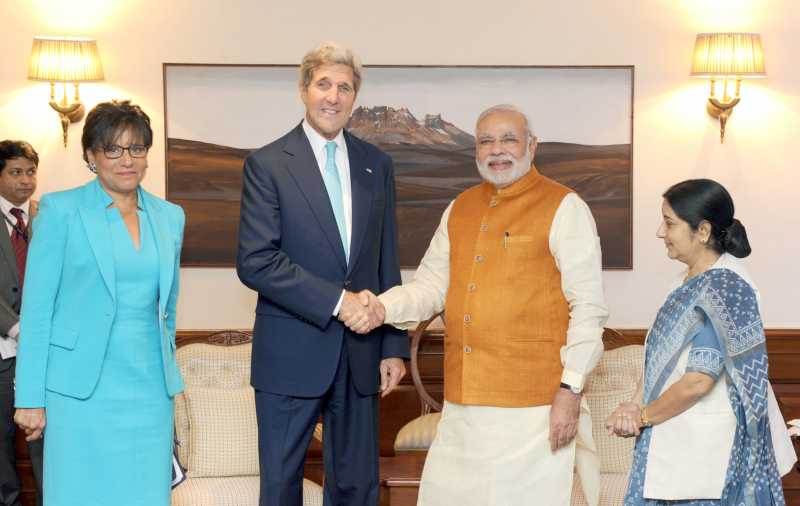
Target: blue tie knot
(330,148)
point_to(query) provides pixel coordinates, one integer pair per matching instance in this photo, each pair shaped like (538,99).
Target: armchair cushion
(613,381)
(206,365)
(232,491)
(418,434)
(223,435)
(612,490)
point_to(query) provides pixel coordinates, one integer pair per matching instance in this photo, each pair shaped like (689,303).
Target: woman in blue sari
(700,412)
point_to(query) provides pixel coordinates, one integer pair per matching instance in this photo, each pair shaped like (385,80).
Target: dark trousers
(350,443)
(9,480)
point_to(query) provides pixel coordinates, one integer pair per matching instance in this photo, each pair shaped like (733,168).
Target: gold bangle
(643,420)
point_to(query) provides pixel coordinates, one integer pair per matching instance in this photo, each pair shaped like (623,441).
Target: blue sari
(722,302)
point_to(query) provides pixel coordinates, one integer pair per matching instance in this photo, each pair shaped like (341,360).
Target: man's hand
(32,421)
(392,371)
(361,312)
(564,418)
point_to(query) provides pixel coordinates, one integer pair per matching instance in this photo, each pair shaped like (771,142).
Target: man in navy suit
(317,238)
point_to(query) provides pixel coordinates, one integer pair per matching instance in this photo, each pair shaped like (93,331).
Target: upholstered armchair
(612,382)
(215,425)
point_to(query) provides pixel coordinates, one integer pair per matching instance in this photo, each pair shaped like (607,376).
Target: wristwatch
(574,390)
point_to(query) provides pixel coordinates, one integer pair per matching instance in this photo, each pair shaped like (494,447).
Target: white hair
(501,108)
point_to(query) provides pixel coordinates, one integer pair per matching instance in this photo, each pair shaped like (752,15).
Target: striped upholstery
(223,439)
(418,434)
(613,381)
(612,490)
(232,491)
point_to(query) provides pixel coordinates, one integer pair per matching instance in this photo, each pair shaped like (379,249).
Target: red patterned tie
(20,243)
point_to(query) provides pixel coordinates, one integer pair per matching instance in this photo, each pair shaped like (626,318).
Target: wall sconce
(727,56)
(62,59)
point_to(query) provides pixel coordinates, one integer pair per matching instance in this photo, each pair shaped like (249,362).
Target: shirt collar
(318,142)
(7,206)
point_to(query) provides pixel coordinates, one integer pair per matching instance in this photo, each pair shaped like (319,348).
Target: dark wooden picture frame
(423,116)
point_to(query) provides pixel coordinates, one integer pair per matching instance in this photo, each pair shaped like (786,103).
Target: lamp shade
(65,59)
(728,55)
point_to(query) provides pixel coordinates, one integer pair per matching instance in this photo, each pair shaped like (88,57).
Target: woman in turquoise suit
(96,368)
(701,410)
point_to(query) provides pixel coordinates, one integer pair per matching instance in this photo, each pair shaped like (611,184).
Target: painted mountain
(434,161)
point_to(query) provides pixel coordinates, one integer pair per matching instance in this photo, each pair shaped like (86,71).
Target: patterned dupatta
(725,298)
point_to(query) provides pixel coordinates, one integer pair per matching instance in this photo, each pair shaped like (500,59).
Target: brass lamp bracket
(722,109)
(68,113)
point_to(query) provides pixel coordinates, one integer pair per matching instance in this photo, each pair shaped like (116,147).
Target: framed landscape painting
(424,117)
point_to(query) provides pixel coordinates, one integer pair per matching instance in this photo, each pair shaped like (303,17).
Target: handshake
(361,312)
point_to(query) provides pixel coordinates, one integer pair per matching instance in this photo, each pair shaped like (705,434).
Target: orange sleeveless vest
(505,313)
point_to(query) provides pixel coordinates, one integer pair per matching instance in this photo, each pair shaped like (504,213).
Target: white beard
(519,168)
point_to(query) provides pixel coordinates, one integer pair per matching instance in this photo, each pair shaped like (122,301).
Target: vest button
(484,227)
(467,318)
(478,258)
(467,349)
(492,203)
(471,287)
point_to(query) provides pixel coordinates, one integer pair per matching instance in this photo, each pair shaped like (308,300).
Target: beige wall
(674,139)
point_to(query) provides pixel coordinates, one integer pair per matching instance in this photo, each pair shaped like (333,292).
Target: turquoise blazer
(69,298)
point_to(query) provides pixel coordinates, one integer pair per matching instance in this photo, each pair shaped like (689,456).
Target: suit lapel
(8,252)
(362,184)
(5,240)
(303,168)
(93,216)
(164,244)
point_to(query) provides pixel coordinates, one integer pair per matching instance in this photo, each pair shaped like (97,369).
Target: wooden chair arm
(429,403)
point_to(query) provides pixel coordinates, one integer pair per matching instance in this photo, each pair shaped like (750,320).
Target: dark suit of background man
(317,226)
(18,164)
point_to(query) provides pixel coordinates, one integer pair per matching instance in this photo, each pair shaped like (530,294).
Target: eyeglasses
(135,150)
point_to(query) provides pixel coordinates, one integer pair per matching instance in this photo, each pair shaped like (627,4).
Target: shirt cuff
(392,302)
(13,332)
(573,379)
(338,304)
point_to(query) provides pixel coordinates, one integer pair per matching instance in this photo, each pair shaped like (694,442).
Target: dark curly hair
(17,149)
(108,120)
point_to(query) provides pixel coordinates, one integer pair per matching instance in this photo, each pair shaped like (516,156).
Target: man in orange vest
(516,265)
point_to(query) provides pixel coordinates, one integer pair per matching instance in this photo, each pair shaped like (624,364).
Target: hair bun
(734,240)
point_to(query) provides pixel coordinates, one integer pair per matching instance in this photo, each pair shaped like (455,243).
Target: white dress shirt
(575,246)
(318,143)
(8,343)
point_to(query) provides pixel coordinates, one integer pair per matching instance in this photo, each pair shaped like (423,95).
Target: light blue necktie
(334,187)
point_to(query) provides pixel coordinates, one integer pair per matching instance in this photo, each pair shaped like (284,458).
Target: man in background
(18,166)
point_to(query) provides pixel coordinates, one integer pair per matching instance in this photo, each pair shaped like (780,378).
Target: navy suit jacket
(290,252)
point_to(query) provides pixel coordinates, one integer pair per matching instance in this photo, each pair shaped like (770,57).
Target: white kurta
(486,456)
(491,456)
